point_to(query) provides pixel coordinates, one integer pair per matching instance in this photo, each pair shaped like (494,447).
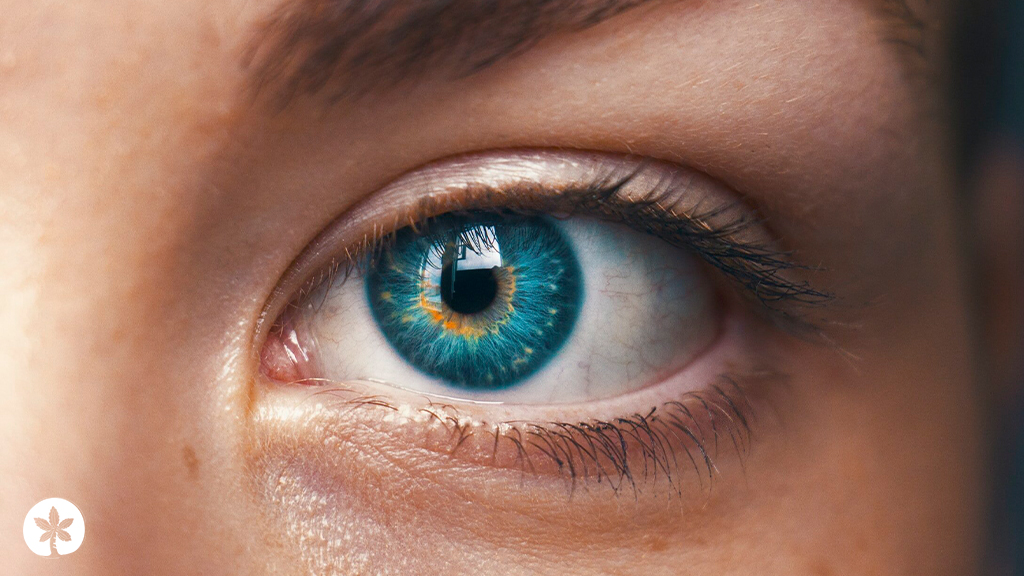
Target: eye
(516,308)
(593,310)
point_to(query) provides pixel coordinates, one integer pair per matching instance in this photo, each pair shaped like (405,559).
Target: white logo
(54,527)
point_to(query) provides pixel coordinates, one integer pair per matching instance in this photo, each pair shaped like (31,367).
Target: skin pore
(152,204)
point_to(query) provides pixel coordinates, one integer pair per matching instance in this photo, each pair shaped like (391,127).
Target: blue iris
(481,301)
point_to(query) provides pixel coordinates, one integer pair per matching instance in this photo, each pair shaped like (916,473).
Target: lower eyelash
(626,453)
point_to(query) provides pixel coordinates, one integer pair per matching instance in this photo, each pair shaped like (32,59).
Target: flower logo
(59,535)
(54,529)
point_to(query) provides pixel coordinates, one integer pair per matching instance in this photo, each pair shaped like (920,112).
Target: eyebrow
(355,47)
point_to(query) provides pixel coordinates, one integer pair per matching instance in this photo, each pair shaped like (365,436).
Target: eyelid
(691,431)
(653,194)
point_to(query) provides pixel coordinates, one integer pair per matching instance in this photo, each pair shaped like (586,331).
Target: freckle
(191,461)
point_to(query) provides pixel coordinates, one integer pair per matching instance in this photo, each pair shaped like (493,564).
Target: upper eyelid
(516,179)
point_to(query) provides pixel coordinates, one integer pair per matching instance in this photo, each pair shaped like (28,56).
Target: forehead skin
(148,206)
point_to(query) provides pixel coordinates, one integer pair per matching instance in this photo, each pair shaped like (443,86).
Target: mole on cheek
(188,455)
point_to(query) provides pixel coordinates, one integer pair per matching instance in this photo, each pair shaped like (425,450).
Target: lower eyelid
(626,452)
(332,477)
(323,464)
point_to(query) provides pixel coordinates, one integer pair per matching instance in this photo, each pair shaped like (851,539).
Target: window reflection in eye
(547,280)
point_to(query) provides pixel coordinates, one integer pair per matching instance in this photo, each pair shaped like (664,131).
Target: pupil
(470,291)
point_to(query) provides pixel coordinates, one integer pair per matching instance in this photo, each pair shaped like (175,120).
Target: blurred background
(992,88)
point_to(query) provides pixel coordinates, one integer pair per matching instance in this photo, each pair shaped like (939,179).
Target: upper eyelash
(755,266)
(714,235)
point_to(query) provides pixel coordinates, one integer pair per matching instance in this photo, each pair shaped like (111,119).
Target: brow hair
(358,46)
(306,44)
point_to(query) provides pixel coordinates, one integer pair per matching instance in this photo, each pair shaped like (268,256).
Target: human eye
(583,316)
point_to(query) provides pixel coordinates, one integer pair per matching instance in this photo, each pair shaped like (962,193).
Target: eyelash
(624,453)
(627,451)
(754,266)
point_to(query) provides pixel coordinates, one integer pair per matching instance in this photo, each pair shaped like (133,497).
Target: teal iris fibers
(479,301)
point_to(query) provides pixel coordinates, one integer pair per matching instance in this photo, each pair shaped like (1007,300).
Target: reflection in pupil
(468,291)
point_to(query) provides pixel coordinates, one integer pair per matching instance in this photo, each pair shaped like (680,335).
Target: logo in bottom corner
(54,528)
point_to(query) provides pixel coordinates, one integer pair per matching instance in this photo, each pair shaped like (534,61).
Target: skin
(150,207)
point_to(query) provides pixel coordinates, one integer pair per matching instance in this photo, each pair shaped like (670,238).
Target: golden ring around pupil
(471,326)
